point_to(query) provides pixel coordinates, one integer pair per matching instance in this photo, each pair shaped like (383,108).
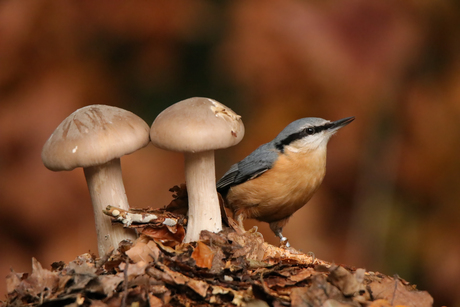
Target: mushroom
(95,137)
(198,126)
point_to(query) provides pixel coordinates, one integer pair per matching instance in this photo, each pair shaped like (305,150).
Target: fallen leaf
(248,245)
(345,281)
(164,234)
(317,294)
(179,204)
(394,291)
(104,285)
(334,303)
(302,275)
(198,286)
(13,280)
(154,301)
(143,250)
(42,279)
(380,303)
(203,255)
(175,277)
(135,269)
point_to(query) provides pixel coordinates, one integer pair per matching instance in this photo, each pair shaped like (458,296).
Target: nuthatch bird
(281,176)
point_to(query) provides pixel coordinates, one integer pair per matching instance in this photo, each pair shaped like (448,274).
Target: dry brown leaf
(211,238)
(170,276)
(273,255)
(278,281)
(41,279)
(176,277)
(134,270)
(249,245)
(394,291)
(179,205)
(345,281)
(83,268)
(143,250)
(154,301)
(317,294)
(164,234)
(104,284)
(167,248)
(302,275)
(198,286)
(217,263)
(203,255)
(238,296)
(13,280)
(380,303)
(98,304)
(334,303)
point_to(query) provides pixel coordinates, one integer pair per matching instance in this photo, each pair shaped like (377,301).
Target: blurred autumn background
(390,199)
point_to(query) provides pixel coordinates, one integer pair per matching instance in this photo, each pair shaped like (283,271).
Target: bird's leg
(283,240)
(278,232)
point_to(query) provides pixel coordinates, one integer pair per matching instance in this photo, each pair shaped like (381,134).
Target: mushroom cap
(195,125)
(94,135)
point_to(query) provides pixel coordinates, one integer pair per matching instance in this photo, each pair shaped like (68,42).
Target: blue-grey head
(308,133)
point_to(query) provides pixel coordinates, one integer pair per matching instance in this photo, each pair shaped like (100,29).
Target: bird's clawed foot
(283,240)
(284,243)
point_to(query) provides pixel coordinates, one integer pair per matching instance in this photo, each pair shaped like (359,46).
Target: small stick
(125,290)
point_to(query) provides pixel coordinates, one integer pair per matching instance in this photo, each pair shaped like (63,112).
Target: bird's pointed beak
(341,123)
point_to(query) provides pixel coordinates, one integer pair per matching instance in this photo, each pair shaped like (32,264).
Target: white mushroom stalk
(105,185)
(94,138)
(198,126)
(204,209)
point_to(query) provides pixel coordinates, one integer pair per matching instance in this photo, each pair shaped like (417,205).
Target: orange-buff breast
(282,190)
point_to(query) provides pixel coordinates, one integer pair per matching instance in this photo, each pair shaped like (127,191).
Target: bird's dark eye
(310,130)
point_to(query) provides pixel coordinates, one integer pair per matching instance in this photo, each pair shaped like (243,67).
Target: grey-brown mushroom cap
(196,124)
(94,135)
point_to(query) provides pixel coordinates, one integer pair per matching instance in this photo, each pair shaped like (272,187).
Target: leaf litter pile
(230,268)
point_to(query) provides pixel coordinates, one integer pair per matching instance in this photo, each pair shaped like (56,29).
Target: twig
(125,290)
(396,277)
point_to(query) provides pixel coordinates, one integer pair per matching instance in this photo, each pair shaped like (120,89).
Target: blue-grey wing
(254,165)
(229,177)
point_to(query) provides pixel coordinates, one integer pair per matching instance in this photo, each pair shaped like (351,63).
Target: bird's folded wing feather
(254,165)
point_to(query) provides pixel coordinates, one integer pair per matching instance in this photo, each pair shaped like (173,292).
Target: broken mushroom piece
(198,126)
(95,137)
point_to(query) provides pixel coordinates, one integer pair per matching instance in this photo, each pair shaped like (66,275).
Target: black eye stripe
(323,127)
(302,133)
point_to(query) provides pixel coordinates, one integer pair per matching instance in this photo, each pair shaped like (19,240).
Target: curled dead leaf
(346,281)
(203,255)
(397,293)
(143,250)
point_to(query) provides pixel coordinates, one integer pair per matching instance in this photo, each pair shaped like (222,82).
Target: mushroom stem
(203,204)
(105,184)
